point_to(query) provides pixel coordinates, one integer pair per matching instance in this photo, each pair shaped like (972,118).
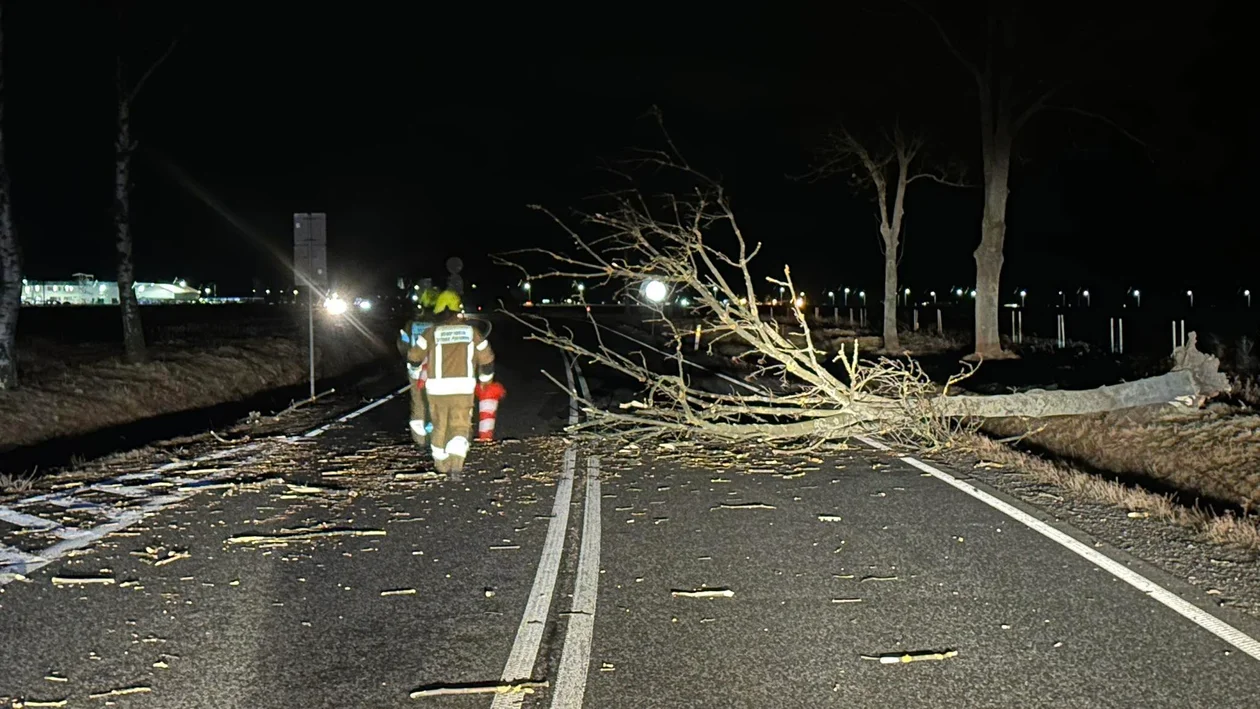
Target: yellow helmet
(447,300)
(429,297)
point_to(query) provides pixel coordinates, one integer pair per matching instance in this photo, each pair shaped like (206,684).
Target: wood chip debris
(703,593)
(846,600)
(46,703)
(82,580)
(743,506)
(501,688)
(828,518)
(172,556)
(399,592)
(297,535)
(895,659)
(505,547)
(879,578)
(1139,515)
(122,691)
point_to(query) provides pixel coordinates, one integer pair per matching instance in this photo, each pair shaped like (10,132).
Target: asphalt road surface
(330,570)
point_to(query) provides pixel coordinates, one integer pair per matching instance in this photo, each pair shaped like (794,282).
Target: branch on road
(688,266)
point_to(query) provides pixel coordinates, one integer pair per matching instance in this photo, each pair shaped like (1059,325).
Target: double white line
(575,660)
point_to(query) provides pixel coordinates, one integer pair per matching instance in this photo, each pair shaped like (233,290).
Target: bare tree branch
(135,90)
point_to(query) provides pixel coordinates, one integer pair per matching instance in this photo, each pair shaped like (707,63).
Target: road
(326,570)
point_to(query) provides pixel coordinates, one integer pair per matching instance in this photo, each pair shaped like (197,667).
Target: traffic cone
(488,397)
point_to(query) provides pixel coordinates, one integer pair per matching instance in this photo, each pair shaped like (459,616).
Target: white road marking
(354,414)
(15,562)
(520,663)
(576,658)
(1182,607)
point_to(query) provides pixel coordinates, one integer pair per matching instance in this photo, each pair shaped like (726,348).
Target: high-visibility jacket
(412,332)
(455,356)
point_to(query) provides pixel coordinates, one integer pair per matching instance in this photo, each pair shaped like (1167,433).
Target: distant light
(861,294)
(1137,293)
(207,290)
(800,302)
(831,294)
(581,287)
(932,293)
(973,292)
(958,291)
(295,291)
(335,305)
(1189,293)
(528,285)
(684,302)
(183,283)
(907,291)
(1023,293)
(268,291)
(656,291)
(414,297)
(1084,293)
(365,305)
(1247,293)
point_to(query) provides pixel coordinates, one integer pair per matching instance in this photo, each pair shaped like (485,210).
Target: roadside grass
(1228,527)
(70,390)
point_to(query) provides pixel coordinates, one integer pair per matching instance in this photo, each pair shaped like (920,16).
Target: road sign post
(310,270)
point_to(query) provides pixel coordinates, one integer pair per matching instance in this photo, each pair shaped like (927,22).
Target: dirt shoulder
(70,390)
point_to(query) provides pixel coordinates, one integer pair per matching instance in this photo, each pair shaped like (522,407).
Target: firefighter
(420,422)
(456,358)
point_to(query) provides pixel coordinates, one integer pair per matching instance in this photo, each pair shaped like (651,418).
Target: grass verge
(74,390)
(1228,528)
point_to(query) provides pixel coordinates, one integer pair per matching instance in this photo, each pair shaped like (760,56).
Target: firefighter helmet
(429,297)
(447,300)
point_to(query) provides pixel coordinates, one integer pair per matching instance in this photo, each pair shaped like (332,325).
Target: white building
(86,290)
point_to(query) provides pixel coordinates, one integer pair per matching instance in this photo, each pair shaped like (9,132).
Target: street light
(862,295)
(1085,293)
(335,305)
(655,291)
(1022,294)
(973,292)
(846,297)
(1247,295)
(933,294)
(907,292)
(1190,295)
(1137,295)
(958,292)
(831,295)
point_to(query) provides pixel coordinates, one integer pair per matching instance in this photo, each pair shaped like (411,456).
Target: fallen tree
(696,248)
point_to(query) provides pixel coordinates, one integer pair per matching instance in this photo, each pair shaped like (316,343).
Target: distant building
(86,290)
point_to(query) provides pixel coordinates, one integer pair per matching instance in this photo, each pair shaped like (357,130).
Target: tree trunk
(133,332)
(891,341)
(10,258)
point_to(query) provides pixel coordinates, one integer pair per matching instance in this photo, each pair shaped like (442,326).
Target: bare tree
(1005,110)
(805,388)
(887,166)
(10,257)
(134,351)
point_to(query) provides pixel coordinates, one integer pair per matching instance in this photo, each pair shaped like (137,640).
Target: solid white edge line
(524,654)
(1179,605)
(575,660)
(74,538)
(357,412)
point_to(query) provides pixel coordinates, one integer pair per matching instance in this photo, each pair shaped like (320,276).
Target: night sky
(425,133)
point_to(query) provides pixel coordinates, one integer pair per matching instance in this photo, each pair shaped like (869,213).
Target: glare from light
(656,291)
(800,302)
(365,305)
(335,305)
(581,287)
(684,302)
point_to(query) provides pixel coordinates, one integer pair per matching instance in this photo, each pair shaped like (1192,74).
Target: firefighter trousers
(419,415)
(452,428)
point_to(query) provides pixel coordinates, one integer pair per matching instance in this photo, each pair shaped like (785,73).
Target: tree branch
(131,96)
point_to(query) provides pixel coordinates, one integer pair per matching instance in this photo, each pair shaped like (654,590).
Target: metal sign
(310,249)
